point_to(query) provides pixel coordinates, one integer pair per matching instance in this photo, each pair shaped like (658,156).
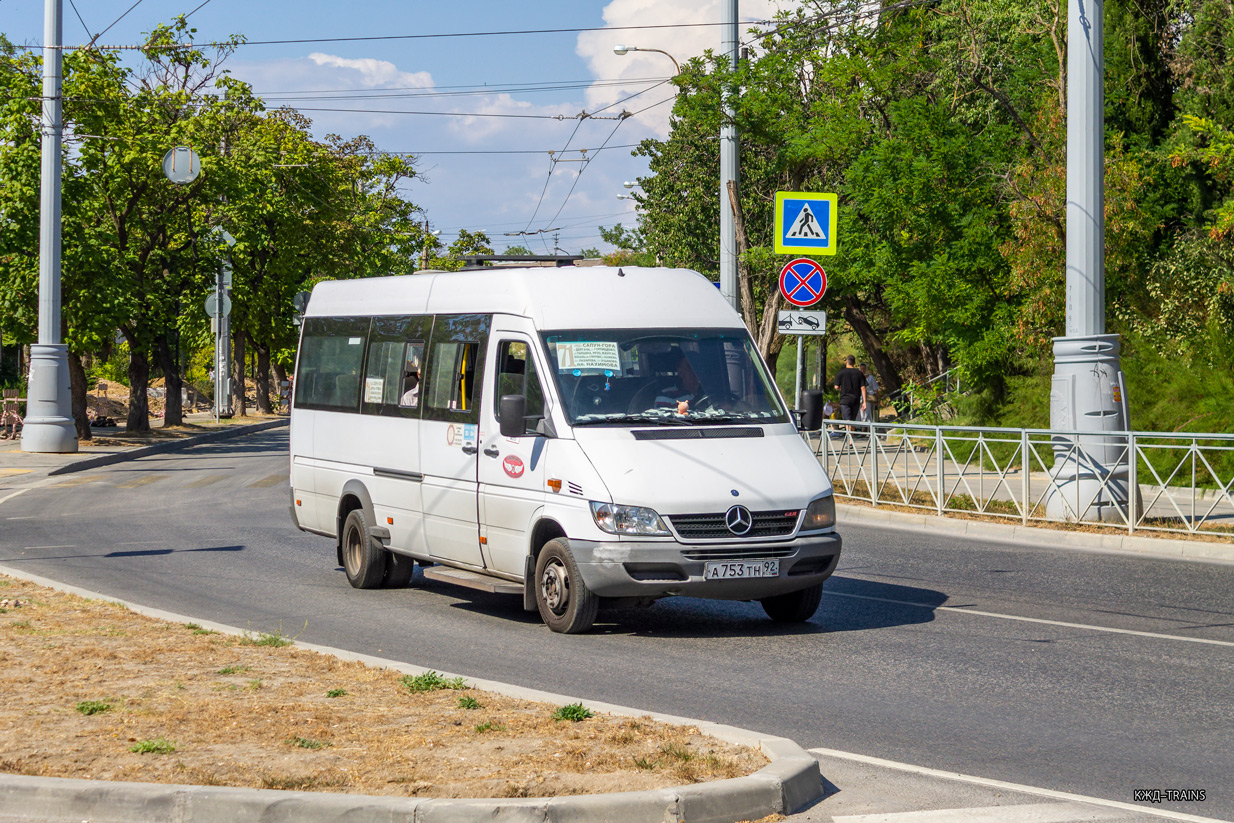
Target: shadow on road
(851,604)
(132,553)
(855,605)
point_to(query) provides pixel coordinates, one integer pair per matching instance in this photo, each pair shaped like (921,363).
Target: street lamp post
(1087,393)
(48,427)
(622,50)
(729,165)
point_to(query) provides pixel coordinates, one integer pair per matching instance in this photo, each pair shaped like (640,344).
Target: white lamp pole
(729,165)
(48,426)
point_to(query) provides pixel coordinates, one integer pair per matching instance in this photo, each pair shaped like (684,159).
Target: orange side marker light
(555,485)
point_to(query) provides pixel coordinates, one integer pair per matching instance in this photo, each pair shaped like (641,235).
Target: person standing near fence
(851,384)
(869,412)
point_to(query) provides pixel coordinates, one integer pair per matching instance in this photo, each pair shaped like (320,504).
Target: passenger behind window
(411,390)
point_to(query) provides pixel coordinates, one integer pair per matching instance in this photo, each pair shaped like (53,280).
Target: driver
(686,388)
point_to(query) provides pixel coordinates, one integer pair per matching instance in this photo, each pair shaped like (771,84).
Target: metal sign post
(218,306)
(802,324)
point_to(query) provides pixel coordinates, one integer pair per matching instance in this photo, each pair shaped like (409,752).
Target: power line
(80,20)
(434,36)
(380,94)
(504,151)
(113,23)
(477,86)
(194,11)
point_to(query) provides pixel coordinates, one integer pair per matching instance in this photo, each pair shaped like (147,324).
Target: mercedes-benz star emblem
(738,520)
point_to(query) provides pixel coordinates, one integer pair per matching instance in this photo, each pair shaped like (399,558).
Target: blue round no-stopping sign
(803,282)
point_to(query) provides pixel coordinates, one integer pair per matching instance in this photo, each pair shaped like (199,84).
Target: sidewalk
(113,445)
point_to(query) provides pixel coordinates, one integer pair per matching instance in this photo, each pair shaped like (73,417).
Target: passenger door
(390,405)
(450,437)
(512,470)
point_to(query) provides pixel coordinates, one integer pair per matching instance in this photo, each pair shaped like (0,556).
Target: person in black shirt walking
(851,384)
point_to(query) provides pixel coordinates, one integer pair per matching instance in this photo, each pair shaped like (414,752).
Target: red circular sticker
(513,466)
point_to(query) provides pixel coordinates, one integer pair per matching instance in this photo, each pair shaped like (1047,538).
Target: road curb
(790,782)
(167,446)
(1197,550)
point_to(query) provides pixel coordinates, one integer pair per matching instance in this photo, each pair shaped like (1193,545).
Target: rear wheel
(566,604)
(364,559)
(399,568)
(794,607)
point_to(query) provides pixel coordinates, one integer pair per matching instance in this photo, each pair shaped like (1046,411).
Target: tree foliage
(140,254)
(942,128)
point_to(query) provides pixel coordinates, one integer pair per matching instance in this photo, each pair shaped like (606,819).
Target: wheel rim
(555,587)
(351,550)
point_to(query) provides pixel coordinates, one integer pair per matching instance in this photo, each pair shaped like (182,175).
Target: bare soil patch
(93,690)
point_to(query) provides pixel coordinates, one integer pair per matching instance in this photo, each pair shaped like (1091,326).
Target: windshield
(661,377)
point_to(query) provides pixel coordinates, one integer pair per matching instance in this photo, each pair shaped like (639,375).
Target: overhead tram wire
(495,88)
(553,161)
(199,8)
(93,39)
(380,37)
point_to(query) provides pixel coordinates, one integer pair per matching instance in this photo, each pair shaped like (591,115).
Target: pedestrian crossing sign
(805,223)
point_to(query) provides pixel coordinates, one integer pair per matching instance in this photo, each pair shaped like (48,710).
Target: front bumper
(657,569)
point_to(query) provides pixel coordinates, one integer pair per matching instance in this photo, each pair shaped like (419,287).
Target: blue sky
(494,193)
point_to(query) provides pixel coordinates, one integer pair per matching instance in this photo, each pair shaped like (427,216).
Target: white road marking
(30,548)
(11,496)
(23,517)
(1019,813)
(1109,629)
(1015,787)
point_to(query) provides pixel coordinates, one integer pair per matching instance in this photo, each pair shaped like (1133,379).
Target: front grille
(736,553)
(778,523)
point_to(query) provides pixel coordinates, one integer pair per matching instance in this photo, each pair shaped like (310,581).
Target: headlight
(627,519)
(821,514)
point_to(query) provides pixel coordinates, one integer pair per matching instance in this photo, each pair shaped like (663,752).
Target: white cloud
(366,72)
(596,47)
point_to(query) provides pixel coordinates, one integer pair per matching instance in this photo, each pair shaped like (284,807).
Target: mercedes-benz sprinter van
(580,436)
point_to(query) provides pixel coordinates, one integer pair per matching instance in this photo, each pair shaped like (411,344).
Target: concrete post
(48,427)
(729,164)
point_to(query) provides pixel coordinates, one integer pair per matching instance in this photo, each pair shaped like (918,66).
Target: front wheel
(794,607)
(566,604)
(364,558)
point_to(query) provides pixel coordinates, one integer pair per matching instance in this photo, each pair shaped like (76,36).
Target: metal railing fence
(1168,482)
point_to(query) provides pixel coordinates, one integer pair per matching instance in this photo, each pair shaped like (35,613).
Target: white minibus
(584,437)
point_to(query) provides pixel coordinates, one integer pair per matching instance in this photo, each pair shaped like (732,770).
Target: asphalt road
(1064,670)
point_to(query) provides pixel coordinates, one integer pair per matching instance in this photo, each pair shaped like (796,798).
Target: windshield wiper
(726,418)
(653,419)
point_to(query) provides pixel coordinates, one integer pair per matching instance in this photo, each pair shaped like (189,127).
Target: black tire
(364,559)
(399,568)
(794,607)
(566,604)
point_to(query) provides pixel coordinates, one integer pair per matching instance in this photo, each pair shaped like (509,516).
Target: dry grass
(237,714)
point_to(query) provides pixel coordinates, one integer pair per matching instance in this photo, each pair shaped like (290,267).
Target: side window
(393,371)
(454,376)
(517,375)
(330,359)
(412,358)
(456,367)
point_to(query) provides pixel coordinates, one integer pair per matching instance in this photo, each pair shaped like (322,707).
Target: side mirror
(812,410)
(513,412)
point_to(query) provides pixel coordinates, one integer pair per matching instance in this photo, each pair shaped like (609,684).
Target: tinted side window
(456,367)
(393,372)
(330,361)
(517,375)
